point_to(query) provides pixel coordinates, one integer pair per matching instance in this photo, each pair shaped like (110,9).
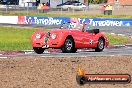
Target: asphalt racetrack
(110,51)
(53,69)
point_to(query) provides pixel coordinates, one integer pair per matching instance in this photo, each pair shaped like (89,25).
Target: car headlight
(53,36)
(38,35)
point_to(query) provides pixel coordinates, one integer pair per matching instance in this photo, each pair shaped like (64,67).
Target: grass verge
(64,14)
(116,39)
(14,38)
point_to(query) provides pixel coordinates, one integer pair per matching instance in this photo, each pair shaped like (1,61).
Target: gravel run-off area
(47,72)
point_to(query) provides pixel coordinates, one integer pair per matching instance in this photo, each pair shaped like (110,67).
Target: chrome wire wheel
(69,44)
(100,45)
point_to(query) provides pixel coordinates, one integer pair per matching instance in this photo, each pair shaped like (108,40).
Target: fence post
(6,8)
(27,8)
(61,11)
(73,10)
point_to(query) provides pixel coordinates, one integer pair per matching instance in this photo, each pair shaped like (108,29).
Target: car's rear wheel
(74,50)
(68,46)
(38,50)
(100,45)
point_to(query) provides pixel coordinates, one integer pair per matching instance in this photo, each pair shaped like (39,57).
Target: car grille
(47,37)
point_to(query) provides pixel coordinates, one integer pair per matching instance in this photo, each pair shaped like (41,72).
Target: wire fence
(93,10)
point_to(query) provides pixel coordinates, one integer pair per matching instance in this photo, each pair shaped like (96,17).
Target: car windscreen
(75,26)
(88,27)
(72,26)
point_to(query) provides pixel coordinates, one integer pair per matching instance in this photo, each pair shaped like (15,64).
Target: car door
(88,38)
(82,38)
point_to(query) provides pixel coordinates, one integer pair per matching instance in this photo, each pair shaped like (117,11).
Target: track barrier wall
(54,21)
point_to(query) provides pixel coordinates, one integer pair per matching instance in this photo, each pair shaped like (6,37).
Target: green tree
(98,1)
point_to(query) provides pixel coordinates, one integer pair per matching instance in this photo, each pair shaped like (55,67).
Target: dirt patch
(8,52)
(37,72)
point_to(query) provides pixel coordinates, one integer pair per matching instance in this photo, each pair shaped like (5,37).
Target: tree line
(97,1)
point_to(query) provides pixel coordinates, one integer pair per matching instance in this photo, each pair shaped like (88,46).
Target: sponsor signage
(83,78)
(50,21)
(103,78)
(104,21)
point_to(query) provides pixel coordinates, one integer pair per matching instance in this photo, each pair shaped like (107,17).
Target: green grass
(116,40)
(82,15)
(13,38)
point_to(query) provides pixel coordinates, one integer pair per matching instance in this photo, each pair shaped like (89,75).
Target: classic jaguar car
(70,37)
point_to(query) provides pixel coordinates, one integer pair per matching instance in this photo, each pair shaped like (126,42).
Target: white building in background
(25,3)
(52,3)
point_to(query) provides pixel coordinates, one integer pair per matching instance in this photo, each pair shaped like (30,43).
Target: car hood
(59,30)
(63,31)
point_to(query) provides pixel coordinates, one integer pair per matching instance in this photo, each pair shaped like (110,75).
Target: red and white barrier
(9,19)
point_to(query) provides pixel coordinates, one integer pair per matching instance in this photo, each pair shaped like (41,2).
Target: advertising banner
(104,21)
(8,19)
(52,21)
(48,21)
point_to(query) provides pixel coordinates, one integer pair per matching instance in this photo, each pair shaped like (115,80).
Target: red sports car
(69,37)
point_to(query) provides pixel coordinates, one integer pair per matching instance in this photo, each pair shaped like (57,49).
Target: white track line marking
(63,56)
(46,52)
(3,57)
(120,34)
(113,33)
(29,52)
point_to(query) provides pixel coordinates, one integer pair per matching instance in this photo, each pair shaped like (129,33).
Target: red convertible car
(69,37)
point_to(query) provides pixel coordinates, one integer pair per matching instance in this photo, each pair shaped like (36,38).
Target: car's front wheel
(38,50)
(100,45)
(68,46)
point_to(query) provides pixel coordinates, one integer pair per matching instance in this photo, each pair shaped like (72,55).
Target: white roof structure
(53,3)
(25,3)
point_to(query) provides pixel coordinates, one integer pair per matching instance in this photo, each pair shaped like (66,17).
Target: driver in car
(72,25)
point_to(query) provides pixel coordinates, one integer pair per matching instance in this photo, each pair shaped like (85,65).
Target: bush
(98,1)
